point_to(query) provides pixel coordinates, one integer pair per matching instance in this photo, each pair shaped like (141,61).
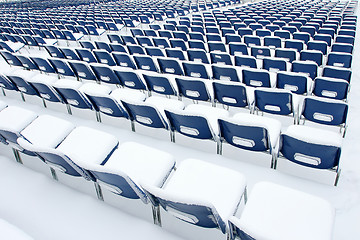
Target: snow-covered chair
(312,148)
(198,193)
(12,121)
(46,131)
(196,122)
(130,164)
(81,147)
(249,132)
(274,212)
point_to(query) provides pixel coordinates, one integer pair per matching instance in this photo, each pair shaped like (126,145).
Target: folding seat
(135,32)
(67,161)
(337,72)
(324,111)
(250,133)
(54,52)
(345,39)
(86,55)
(230,94)
(165,34)
(275,101)
(345,32)
(312,55)
(175,53)
(291,29)
(328,31)
(82,71)
(77,102)
(178,43)
(128,40)
(155,26)
(263,32)
(342,47)
(318,45)
(216,47)
(160,83)
(196,36)
(129,78)
(303,146)
(103,56)
(197,55)
(298,45)
(274,64)
(207,211)
(260,52)
(61,67)
(114,38)
(194,89)
(297,83)
(272,27)
(196,44)
(256,77)
(161,42)
(308,67)
(245,61)
(339,59)
(43,64)
(135,49)
(11,47)
(123,60)
(27,63)
(145,63)
(103,46)
(306,210)
(197,70)
(13,120)
(88,45)
(232,38)
(170,66)
(330,88)
(220,58)
(10,58)
(245,31)
(283,34)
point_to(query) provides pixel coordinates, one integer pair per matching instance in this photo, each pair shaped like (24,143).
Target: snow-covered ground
(46,209)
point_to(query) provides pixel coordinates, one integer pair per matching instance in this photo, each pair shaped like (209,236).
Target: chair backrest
(245,135)
(159,84)
(129,78)
(342,47)
(295,82)
(318,45)
(302,150)
(54,51)
(27,63)
(70,54)
(220,58)
(230,94)
(275,101)
(171,66)
(256,77)
(337,72)
(175,53)
(289,54)
(7,83)
(225,73)
(197,55)
(43,64)
(74,97)
(330,88)
(103,56)
(123,60)
(86,55)
(193,69)
(61,66)
(307,67)
(82,70)
(145,63)
(339,60)
(10,58)
(193,89)
(204,215)
(238,49)
(274,64)
(245,61)
(324,111)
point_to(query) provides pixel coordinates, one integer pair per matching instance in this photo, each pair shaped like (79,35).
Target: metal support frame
(99,194)
(156,215)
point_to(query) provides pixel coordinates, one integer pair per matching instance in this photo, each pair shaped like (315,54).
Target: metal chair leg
(156,215)
(98,191)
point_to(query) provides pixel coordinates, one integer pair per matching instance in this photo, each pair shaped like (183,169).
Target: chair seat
(15,119)
(275,212)
(47,131)
(162,103)
(88,146)
(141,163)
(207,183)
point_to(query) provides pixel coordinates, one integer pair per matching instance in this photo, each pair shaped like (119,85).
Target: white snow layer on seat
(2,105)
(314,135)
(47,131)
(272,125)
(209,183)
(128,94)
(68,83)
(162,103)
(95,89)
(9,231)
(87,145)
(274,212)
(141,163)
(23,74)
(45,79)
(210,113)
(15,119)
